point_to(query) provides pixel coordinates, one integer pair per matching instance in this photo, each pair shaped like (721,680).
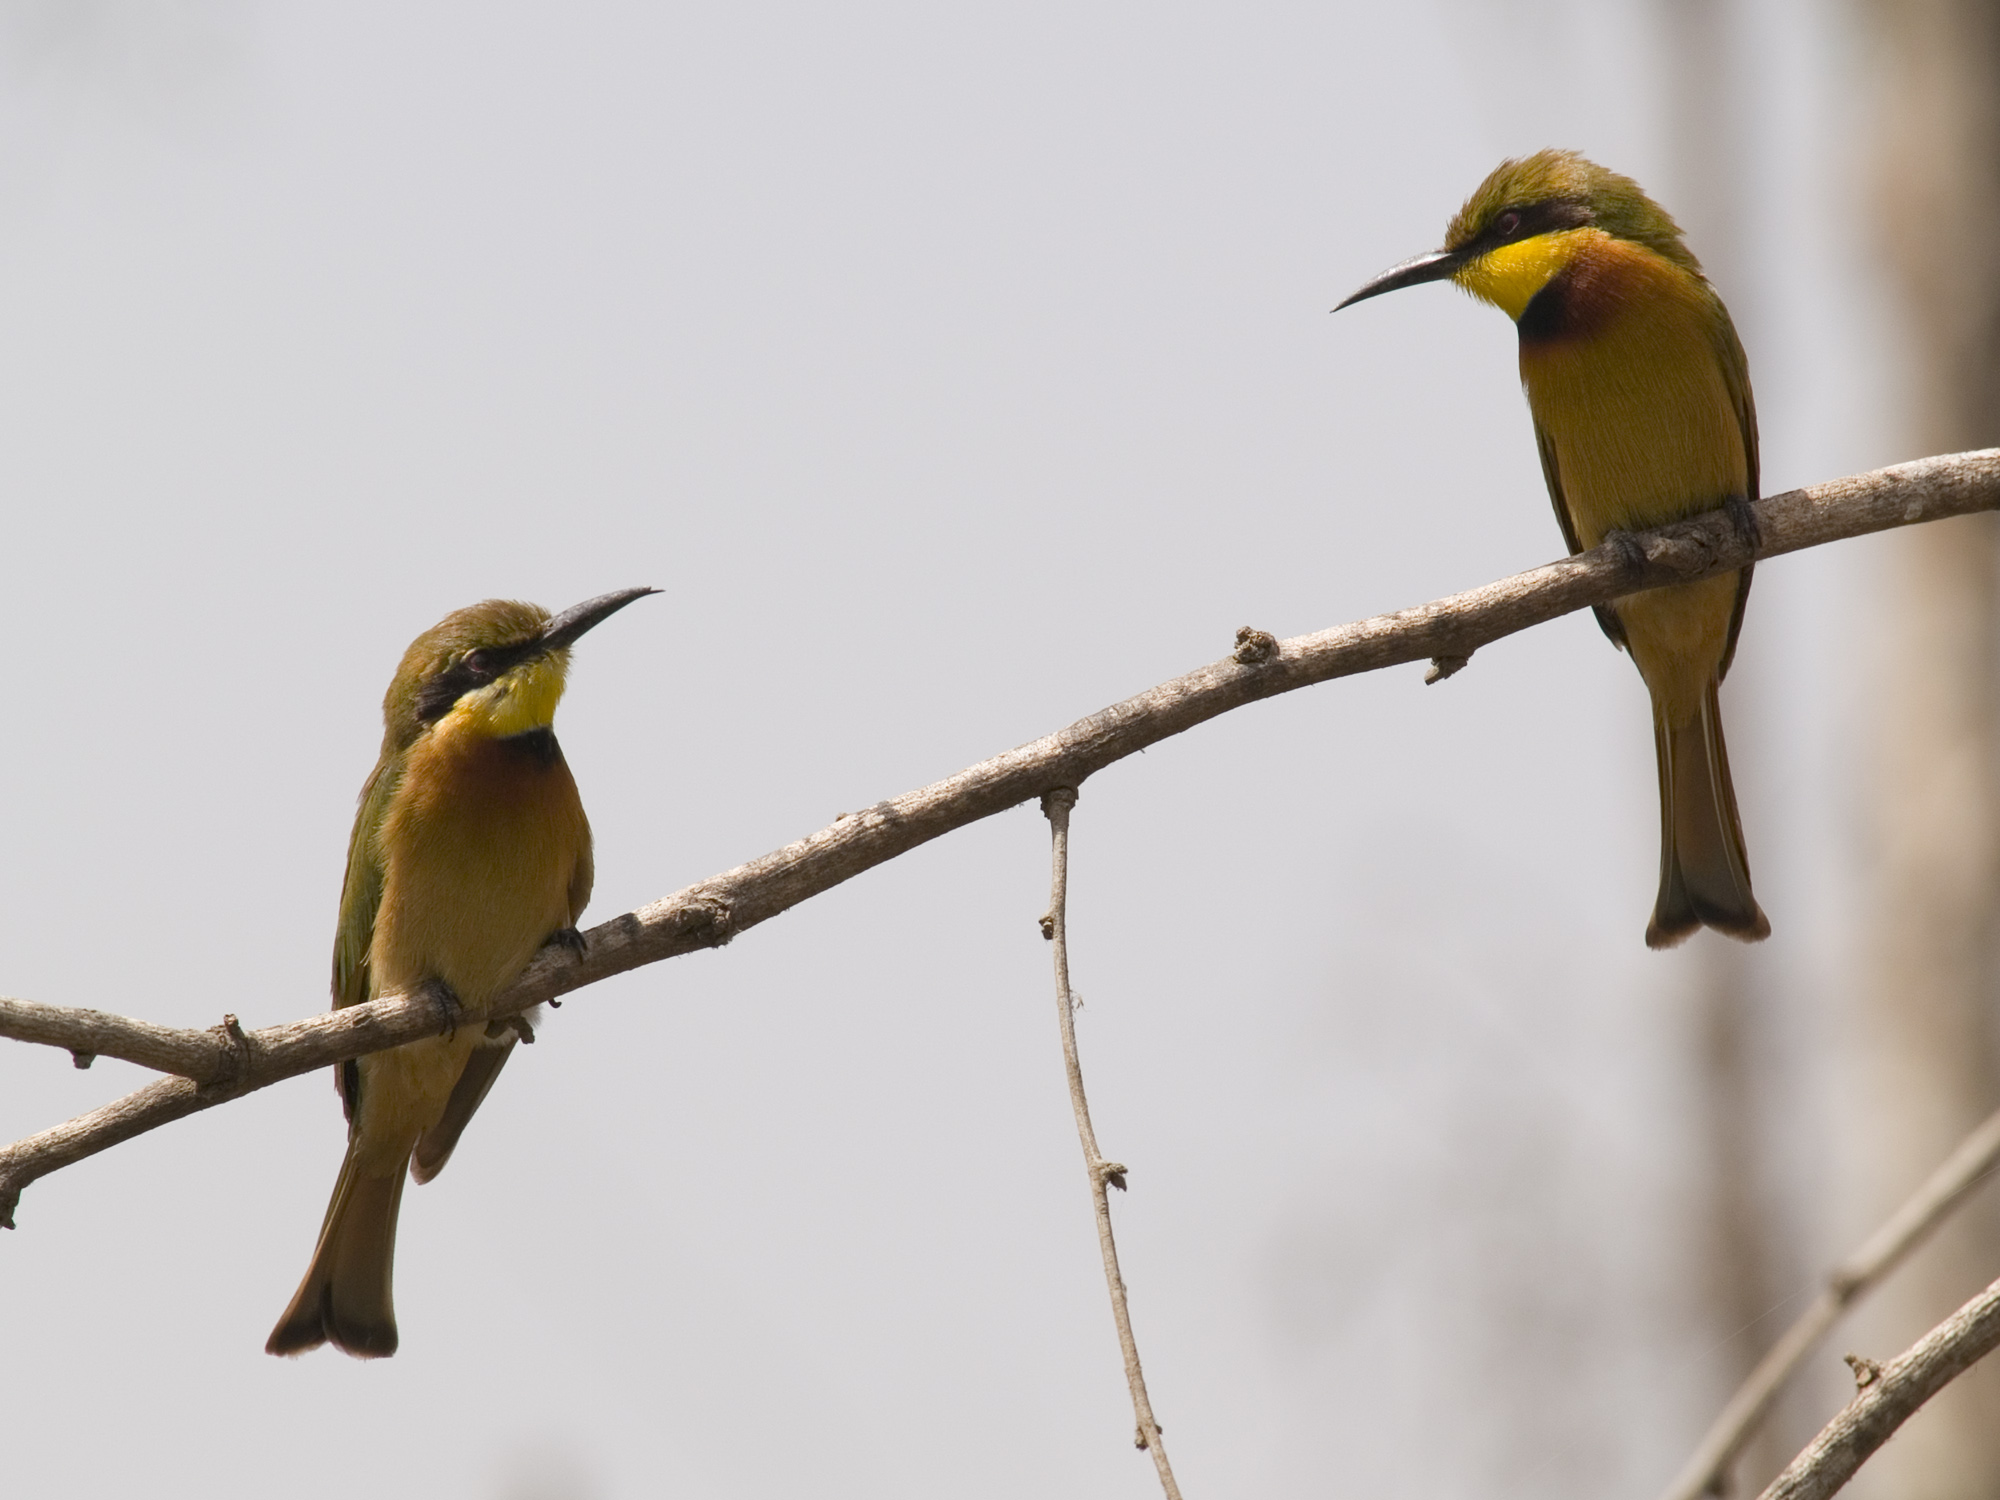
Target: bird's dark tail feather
(1704,873)
(346,1295)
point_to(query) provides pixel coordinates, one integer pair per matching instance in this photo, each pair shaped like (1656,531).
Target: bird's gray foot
(1627,549)
(445,1000)
(1743,517)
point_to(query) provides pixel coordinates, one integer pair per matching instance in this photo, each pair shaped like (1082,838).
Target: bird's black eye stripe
(464,673)
(1523,221)
(436,696)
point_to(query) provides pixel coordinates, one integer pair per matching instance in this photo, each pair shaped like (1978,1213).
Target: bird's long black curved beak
(564,629)
(1436,266)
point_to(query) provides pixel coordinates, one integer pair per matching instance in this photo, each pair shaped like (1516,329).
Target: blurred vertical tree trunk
(1740,1234)
(1927,1033)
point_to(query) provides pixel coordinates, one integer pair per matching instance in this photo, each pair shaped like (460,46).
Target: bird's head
(494,669)
(1526,221)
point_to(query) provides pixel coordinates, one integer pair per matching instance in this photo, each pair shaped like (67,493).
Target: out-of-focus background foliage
(957,371)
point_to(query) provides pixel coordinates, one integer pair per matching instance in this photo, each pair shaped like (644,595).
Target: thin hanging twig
(1104,1175)
(1949,1186)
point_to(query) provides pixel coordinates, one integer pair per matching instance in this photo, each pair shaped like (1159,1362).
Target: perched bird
(470,851)
(1640,395)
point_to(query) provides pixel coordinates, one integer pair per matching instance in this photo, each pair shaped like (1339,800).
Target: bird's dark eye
(1507,224)
(479,664)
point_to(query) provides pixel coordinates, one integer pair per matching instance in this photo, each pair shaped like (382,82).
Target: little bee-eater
(1640,395)
(470,852)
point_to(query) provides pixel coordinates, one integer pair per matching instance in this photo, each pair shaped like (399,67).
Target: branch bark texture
(216,1066)
(1889,1397)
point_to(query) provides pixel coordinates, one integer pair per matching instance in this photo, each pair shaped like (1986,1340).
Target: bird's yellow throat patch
(524,699)
(1510,276)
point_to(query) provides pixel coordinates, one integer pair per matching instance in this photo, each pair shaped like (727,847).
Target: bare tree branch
(1446,631)
(203,1056)
(1104,1175)
(1889,1396)
(1949,1186)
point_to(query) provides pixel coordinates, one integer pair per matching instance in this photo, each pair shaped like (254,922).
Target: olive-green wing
(360,899)
(482,1067)
(581,879)
(1607,618)
(1736,379)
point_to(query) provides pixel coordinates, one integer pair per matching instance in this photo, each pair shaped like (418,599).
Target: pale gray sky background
(955,371)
